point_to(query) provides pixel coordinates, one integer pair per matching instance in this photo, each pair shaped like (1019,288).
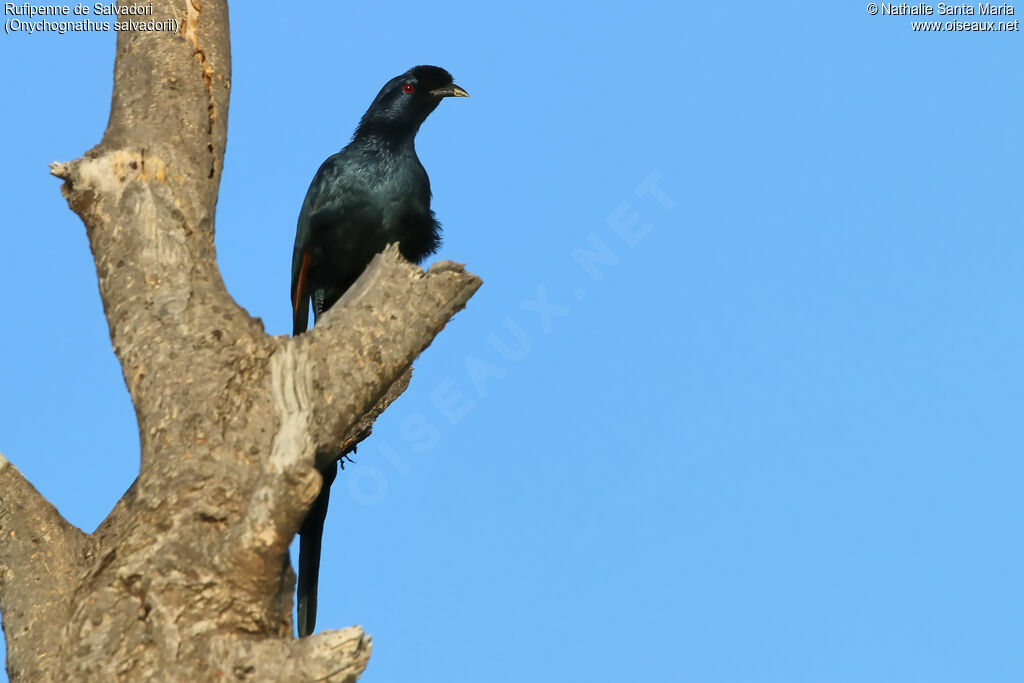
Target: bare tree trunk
(188,577)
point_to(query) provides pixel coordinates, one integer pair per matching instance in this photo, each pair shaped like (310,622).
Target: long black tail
(310,536)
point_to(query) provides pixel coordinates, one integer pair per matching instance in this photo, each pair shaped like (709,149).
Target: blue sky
(774,437)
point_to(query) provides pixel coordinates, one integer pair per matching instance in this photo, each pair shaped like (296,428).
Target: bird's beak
(449,91)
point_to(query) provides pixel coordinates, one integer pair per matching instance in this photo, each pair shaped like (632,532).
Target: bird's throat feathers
(383,158)
(385,138)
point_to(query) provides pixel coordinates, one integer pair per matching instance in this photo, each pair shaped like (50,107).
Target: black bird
(370,194)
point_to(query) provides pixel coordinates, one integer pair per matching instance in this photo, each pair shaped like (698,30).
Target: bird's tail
(310,537)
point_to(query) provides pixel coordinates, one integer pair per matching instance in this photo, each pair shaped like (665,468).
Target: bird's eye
(408,87)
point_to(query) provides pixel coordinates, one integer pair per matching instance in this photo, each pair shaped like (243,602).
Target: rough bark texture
(188,577)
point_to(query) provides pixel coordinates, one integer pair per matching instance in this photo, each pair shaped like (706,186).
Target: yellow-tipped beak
(449,91)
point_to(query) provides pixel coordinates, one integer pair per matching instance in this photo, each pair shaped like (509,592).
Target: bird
(372,193)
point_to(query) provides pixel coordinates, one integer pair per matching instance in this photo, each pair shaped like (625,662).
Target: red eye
(408,87)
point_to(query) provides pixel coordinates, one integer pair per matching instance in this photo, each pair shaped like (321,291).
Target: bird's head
(405,101)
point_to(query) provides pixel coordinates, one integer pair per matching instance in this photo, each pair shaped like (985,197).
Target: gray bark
(188,577)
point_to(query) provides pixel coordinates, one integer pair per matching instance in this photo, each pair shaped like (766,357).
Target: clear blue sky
(779,440)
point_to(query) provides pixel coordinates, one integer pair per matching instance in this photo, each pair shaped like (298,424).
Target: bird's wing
(302,254)
(300,289)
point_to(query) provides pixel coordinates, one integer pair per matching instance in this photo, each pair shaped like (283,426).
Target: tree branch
(386,319)
(329,384)
(39,552)
(334,656)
